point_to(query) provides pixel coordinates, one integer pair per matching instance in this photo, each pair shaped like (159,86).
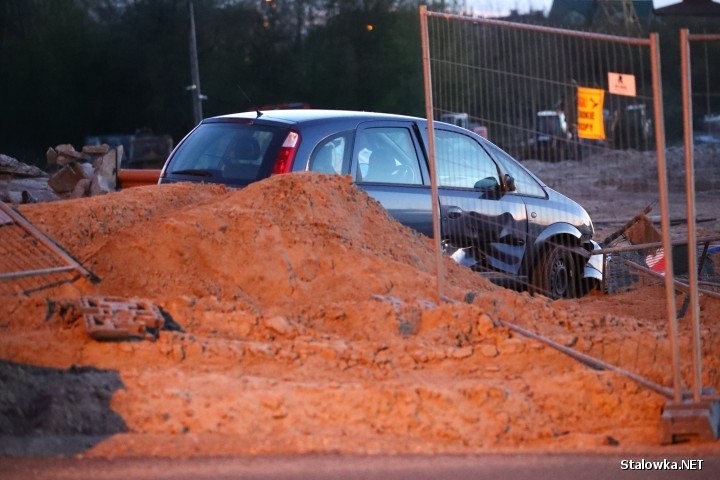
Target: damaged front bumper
(595,266)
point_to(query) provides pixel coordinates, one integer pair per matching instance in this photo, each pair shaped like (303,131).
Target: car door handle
(453,212)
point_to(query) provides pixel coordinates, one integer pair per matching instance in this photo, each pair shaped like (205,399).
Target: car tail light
(284,160)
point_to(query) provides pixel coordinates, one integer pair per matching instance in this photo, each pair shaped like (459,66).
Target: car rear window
(228,152)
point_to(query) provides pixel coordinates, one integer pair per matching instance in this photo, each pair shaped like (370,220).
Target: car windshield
(234,152)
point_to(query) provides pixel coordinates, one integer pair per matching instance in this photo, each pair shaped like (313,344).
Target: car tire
(556,274)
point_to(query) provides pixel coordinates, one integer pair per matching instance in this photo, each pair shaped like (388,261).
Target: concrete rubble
(15,168)
(90,172)
(23,183)
(74,174)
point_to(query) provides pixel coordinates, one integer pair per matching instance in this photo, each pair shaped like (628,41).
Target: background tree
(72,68)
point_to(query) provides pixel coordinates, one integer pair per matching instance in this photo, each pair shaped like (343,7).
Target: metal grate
(29,259)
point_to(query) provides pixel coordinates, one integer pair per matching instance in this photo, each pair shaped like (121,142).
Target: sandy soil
(310,324)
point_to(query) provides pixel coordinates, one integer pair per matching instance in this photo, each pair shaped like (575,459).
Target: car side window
(462,162)
(330,155)
(525,184)
(387,155)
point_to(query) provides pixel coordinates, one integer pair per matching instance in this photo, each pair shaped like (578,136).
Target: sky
(503,7)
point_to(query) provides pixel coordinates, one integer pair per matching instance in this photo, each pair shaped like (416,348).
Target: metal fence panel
(543,95)
(572,117)
(29,260)
(694,269)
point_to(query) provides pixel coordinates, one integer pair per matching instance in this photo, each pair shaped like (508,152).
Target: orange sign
(621,84)
(590,113)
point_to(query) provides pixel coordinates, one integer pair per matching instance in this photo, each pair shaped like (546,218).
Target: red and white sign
(656,261)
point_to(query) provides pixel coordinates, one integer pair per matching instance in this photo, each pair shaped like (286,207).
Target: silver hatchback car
(496,216)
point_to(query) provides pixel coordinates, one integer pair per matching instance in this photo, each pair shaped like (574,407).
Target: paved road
(311,467)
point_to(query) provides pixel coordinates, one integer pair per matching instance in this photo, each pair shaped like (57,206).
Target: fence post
(690,201)
(665,212)
(439,270)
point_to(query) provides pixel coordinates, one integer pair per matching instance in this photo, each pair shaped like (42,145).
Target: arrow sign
(590,113)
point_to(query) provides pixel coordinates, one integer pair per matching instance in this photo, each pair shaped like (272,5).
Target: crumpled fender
(594,267)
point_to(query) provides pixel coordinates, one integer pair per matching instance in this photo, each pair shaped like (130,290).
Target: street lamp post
(194,88)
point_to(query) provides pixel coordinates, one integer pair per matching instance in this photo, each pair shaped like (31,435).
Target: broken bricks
(115,318)
(65,180)
(90,172)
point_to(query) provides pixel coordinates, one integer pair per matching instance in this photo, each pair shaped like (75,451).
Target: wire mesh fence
(575,109)
(694,266)
(29,260)
(521,84)
(576,130)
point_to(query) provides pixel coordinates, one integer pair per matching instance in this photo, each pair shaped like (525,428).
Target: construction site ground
(309,323)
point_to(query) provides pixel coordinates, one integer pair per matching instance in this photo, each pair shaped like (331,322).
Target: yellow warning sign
(590,113)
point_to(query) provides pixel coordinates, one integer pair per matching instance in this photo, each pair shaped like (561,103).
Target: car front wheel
(556,274)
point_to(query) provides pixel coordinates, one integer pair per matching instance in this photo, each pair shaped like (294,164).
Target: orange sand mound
(311,325)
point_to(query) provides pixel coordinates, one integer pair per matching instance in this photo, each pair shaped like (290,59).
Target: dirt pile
(311,325)
(284,241)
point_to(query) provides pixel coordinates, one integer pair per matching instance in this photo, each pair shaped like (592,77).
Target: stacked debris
(10,167)
(92,171)
(22,183)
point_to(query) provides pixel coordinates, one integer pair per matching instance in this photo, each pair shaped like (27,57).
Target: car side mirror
(508,183)
(488,183)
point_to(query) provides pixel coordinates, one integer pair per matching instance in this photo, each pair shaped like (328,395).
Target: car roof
(310,115)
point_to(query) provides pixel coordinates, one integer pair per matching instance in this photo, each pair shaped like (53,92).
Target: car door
(386,164)
(476,211)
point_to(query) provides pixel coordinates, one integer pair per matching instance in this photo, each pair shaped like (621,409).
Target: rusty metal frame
(10,217)
(699,416)
(682,286)
(652,42)
(685,40)
(439,268)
